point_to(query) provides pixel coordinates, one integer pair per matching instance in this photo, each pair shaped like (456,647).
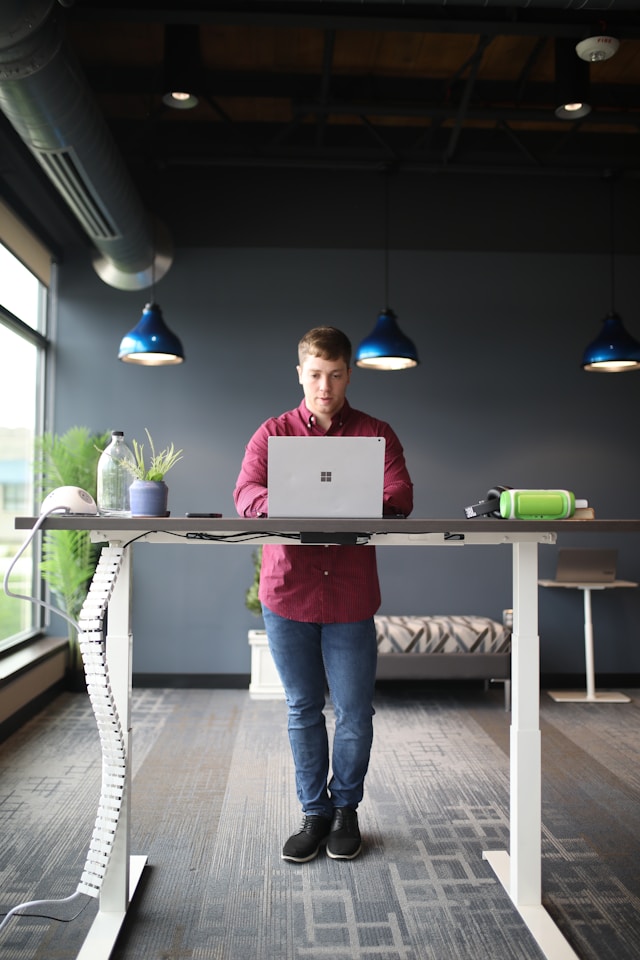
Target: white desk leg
(588,645)
(123,872)
(520,871)
(525,882)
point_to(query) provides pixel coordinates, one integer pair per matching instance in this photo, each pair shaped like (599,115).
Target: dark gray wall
(500,310)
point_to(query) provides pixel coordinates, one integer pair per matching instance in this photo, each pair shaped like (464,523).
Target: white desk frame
(590,695)
(518,870)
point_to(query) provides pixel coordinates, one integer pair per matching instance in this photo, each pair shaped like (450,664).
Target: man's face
(325,384)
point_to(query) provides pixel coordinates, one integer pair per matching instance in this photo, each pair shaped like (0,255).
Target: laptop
(325,476)
(586,566)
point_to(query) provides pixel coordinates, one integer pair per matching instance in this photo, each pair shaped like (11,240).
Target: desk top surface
(228,525)
(587,585)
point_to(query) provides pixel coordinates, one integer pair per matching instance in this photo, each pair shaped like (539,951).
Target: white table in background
(590,695)
(519,869)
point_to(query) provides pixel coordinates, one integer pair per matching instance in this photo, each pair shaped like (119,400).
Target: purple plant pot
(148,498)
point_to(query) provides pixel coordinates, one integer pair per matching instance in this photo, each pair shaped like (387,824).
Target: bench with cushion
(445,648)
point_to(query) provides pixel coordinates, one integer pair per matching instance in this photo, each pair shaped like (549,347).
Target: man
(318,605)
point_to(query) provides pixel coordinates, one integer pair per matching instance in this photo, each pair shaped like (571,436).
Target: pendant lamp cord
(153,262)
(386,240)
(612,239)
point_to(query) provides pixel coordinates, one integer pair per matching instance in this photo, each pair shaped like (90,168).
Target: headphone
(489,506)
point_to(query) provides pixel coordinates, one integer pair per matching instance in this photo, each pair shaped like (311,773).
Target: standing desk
(590,695)
(519,869)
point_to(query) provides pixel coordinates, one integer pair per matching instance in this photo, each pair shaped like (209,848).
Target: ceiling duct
(46,99)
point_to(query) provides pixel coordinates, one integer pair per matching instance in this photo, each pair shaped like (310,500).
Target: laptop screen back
(586,565)
(325,476)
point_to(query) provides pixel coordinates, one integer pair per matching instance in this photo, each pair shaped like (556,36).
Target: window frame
(40,339)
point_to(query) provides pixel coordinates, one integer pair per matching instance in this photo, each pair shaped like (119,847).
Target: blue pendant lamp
(151,343)
(613,350)
(386,347)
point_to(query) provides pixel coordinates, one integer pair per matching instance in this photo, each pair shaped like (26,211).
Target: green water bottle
(537,504)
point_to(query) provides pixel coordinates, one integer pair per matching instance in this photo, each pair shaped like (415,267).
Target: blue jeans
(308,657)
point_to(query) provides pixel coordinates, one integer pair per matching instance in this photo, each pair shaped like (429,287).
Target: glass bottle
(114,479)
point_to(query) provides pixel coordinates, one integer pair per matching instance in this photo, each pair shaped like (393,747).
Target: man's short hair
(326,342)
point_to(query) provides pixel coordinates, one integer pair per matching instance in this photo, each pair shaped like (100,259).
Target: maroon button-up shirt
(320,584)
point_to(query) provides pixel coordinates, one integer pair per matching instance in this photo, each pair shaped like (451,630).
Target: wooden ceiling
(402,85)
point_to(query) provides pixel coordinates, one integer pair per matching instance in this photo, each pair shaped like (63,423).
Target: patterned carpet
(213,800)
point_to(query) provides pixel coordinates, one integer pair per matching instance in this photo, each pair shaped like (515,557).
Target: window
(23,314)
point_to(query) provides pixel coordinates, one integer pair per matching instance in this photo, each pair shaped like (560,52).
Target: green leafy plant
(69,557)
(252,602)
(68,564)
(159,463)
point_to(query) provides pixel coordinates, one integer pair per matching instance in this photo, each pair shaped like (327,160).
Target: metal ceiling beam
(371,144)
(325,85)
(474,114)
(341,161)
(525,73)
(353,89)
(504,17)
(463,106)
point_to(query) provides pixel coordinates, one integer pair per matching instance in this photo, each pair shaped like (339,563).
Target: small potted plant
(148,494)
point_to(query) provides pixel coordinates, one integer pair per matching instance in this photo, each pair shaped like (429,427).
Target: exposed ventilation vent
(48,102)
(64,168)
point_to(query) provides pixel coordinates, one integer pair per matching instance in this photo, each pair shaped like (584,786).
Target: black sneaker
(344,841)
(305,844)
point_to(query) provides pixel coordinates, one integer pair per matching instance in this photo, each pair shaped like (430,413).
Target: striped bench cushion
(439,634)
